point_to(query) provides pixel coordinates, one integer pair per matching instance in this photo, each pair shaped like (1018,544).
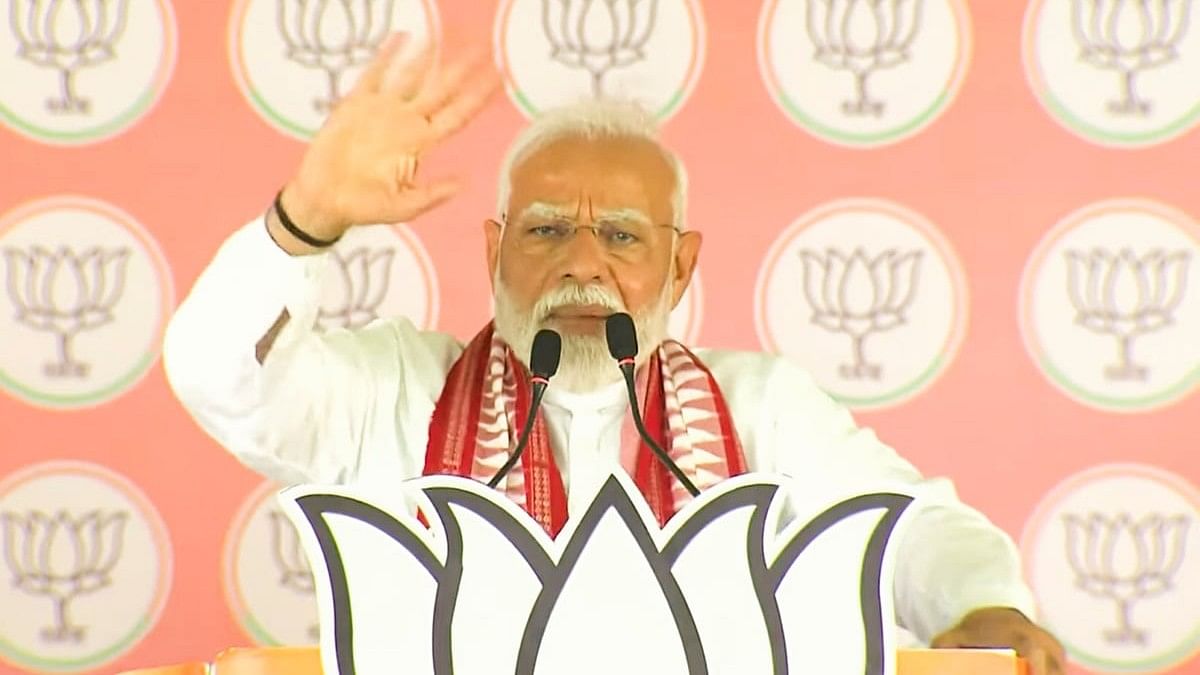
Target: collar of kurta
(486,398)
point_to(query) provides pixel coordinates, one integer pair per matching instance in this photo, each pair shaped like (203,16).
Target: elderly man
(590,222)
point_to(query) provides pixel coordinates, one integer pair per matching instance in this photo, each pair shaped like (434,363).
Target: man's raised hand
(361,167)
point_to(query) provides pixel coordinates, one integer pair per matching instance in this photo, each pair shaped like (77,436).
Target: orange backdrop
(976,222)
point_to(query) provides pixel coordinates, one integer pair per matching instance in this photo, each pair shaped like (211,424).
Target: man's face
(551,271)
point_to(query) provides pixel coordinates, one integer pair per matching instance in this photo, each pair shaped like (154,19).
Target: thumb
(1039,663)
(951,639)
(418,199)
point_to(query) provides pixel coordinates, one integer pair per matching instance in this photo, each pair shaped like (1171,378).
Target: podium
(307,661)
(758,574)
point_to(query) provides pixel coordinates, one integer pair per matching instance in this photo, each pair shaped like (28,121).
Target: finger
(464,106)
(372,76)
(406,170)
(951,639)
(406,74)
(1038,664)
(438,91)
(1056,659)
(421,198)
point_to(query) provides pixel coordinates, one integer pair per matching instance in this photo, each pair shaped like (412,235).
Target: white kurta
(354,407)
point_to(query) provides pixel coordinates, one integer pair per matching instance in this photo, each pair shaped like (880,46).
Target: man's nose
(584,257)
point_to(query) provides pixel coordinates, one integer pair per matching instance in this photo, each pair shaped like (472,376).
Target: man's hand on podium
(1004,627)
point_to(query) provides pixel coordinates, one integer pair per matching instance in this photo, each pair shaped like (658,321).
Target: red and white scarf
(486,397)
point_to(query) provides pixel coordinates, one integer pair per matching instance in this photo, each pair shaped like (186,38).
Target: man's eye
(548,231)
(622,237)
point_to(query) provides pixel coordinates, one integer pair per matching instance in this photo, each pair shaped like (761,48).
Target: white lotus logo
(294,572)
(68,35)
(1125,560)
(722,589)
(860,295)
(1129,37)
(862,37)
(1126,296)
(333,36)
(358,287)
(597,36)
(66,293)
(62,557)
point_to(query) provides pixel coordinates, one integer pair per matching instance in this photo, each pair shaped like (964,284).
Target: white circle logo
(1119,72)
(378,271)
(555,53)
(1111,557)
(294,60)
(268,581)
(1110,305)
(83,71)
(868,296)
(87,294)
(87,564)
(863,73)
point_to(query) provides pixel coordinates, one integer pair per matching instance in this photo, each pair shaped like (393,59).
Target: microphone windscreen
(621,335)
(543,358)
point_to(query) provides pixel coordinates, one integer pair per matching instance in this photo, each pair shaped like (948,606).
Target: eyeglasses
(622,238)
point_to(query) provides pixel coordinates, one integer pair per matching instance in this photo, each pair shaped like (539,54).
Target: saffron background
(995,173)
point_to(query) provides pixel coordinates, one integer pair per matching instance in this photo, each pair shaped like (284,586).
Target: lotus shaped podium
(447,576)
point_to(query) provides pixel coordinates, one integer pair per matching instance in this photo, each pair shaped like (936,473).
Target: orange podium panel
(959,662)
(268,661)
(307,661)
(195,668)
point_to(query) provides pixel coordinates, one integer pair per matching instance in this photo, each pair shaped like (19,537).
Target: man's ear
(492,232)
(687,252)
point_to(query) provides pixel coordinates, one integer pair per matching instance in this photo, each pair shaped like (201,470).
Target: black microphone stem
(627,370)
(535,402)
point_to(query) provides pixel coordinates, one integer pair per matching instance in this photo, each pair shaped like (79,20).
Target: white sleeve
(296,417)
(950,560)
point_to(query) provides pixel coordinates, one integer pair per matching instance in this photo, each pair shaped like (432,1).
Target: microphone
(622,344)
(543,364)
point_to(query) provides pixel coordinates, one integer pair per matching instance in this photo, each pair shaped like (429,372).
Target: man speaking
(589,224)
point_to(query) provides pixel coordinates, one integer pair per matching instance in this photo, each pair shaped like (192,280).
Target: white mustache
(574,294)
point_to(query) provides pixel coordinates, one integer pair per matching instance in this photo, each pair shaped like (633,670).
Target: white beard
(585,364)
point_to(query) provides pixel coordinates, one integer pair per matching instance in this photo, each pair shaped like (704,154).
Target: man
(590,221)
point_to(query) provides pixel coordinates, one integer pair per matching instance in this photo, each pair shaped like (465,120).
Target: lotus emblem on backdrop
(1110,554)
(61,557)
(596,36)
(294,571)
(1129,37)
(378,272)
(1108,305)
(85,568)
(65,293)
(863,37)
(868,296)
(864,73)
(555,52)
(1126,295)
(1125,560)
(84,294)
(1115,72)
(358,286)
(67,36)
(74,72)
(293,60)
(333,36)
(860,296)
(266,576)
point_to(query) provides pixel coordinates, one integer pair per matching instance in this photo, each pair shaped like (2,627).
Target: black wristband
(297,232)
